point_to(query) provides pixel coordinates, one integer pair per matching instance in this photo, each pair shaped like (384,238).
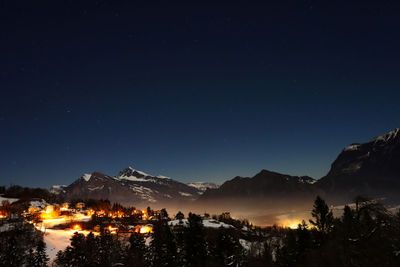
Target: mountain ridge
(129,185)
(371,168)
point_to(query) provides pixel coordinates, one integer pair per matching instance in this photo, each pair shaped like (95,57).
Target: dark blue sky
(192,91)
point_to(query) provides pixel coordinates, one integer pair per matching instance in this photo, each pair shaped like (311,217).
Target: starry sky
(198,91)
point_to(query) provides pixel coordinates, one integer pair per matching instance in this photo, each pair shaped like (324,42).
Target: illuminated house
(64,207)
(80,205)
(32,210)
(49,209)
(49,212)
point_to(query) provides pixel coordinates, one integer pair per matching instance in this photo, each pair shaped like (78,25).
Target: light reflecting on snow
(58,240)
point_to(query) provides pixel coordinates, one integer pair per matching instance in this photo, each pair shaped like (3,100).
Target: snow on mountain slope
(131,186)
(387,136)
(57,189)
(130,174)
(86,177)
(203,186)
(306,180)
(154,188)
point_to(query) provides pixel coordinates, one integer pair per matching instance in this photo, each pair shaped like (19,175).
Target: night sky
(194,91)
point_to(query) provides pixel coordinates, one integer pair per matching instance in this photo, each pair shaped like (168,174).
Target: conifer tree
(30,260)
(136,253)
(40,256)
(163,246)
(76,251)
(179,216)
(110,249)
(14,253)
(322,215)
(92,250)
(195,244)
(348,222)
(164,214)
(229,251)
(267,254)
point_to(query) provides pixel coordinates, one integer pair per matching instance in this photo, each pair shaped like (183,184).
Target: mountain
(129,186)
(371,168)
(264,184)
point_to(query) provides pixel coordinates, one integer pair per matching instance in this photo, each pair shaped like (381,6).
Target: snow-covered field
(58,240)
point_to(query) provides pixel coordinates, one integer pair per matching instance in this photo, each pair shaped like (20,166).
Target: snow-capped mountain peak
(128,172)
(130,185)
(86,177)
(131,174)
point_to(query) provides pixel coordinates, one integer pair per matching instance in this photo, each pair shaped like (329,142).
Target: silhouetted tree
(136,253)
(195,244)
(110,249)
(91,250)
(228,250)
(179,216)
(164,214)
(323,217)
(163,250)
(40,256)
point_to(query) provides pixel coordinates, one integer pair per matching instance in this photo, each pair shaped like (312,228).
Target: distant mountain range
(131,186)
(265,183)
(371,169)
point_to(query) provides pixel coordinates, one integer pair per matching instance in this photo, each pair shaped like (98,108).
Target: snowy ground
(58,240)
(11,200)
(207,223)
(49,223)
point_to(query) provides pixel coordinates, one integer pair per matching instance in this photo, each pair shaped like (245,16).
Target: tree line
(367,234)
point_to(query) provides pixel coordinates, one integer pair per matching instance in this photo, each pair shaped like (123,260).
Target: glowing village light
(146,229)
(112,229)
(77,227)
(294,225)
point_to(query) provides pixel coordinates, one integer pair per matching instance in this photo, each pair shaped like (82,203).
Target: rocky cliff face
(372,168)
